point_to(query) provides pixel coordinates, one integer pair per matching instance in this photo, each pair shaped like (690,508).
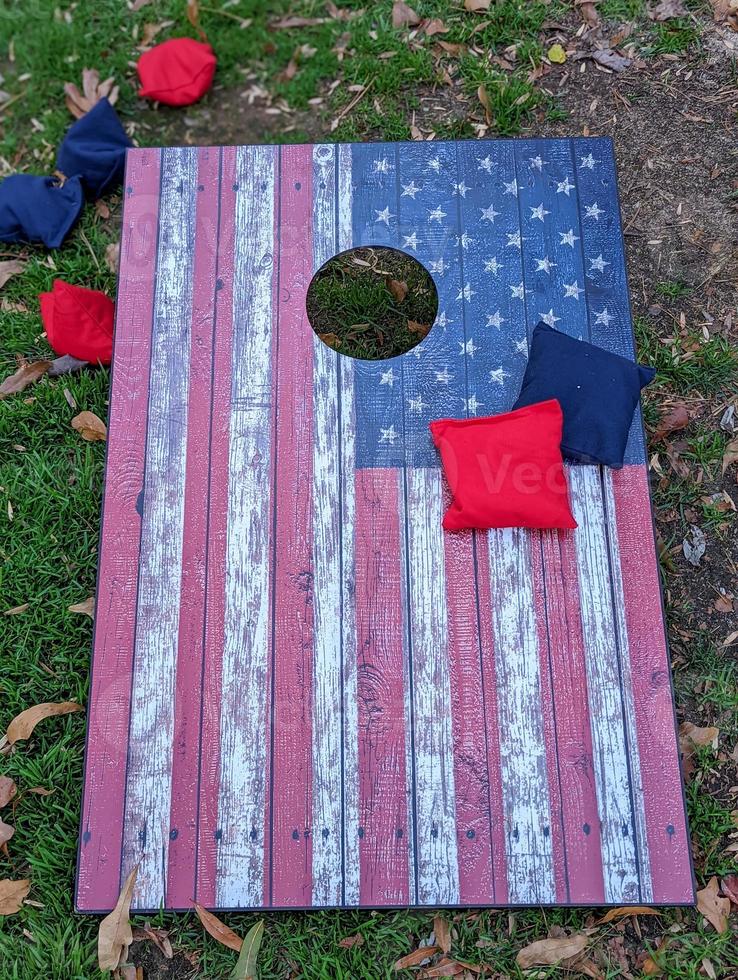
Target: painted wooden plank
(437,860)
(530,872)
(188,688)
(148,774)
(380,624)
(213,639)
(609,734)
(101,826)
(246,608)
(663,803)
(293,571)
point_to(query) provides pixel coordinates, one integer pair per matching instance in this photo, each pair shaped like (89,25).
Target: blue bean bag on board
(94,149)
(39,209)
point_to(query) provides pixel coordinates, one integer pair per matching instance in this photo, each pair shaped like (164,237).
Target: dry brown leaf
(611,59)
(677,418)
(218,930)
(398,288)
(725,12)
(331,339)
(39,791)
(23,724)
(421,329)
(714,908)
(723,604)
(549,952)
(433,26)
(6,832)
(487,105)
(159,937)
(625,911)
(87,607)
(66,364)
(8,789)
(588,10)
(476,6)
(446,968)
(148,34)
(17,610)
(80,103)
(193,16)
(729,888)
(27,374)
(667,9)
(12,894)
(455,50)
(138,4)
(112,256)
(115,934)
(287,23)
(350,941)
(417,957)
(13,267)
(90,427)
(442,931)
(730,455)
(403,15)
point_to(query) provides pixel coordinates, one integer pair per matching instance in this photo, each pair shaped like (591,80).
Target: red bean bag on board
(177,72)
(78,321)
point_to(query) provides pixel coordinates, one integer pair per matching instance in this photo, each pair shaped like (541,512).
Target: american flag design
(304,693)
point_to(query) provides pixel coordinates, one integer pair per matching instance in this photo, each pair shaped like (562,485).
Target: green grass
(48,552)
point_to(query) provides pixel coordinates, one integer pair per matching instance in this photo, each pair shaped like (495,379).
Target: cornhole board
(304,692)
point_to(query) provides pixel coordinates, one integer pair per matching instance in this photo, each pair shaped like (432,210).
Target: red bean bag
(78,321)
(505,470)
(177,72)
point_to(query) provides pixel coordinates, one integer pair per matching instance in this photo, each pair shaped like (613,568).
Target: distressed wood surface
(304,692)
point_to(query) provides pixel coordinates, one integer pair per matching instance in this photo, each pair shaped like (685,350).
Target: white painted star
(471,404)
(466,293)
(388,378)
(498,375)
(468,347)
(492,265)
(460,189)
(438,266)
(381,166)
(568,238)
(410,190)
(511,187)
(513,239)
(521,346)
(417,405)
(536,162)
(464,240)
(540,212)
(516,292)
(588,162)
(434,164)
(550,318)
(489,214)
(410,241)
(593,211)
(599,263)
(495,320)
(388,435)
(603,317)
(544,265)
(436,215)
(444,376)
(442,320)
(485,164)
(572,289)
(383,216)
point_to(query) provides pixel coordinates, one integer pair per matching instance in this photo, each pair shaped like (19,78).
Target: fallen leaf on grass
(398,288)
(287,23)
(80,103)
(23,724)
(442,932)
(691,737)
(483,97)
(729,888)
(138,4)
(112,255)
(725,12)
(611,59)
(218,930)
(87,607)
(8,789)
(667,9)
(12,894)
(27,374)
(17,610)
(476,6)
(730,455)
(694,545)
(159,937)
(331,339)
(90,427)
(623,912)
(433,26)
(6,832)
(403,15)
(351,941)
(714,908)
(147,39)
(677,418)
(66,364)
(11,268)
(446,968)
(115,934)
(417,957)
(246,967)
(588,10)
(549,952)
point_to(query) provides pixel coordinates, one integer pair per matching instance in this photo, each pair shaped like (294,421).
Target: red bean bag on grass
(177,72)
(78,321)
(505,470)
